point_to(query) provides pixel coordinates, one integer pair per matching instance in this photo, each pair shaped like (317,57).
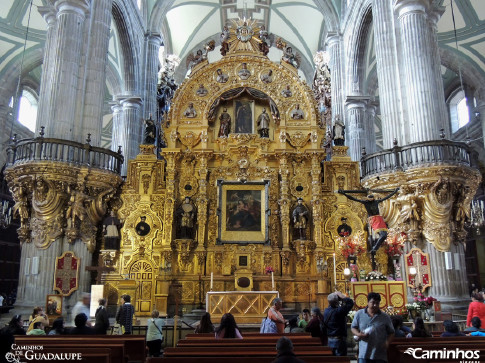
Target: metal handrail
(420,154)
(63,151)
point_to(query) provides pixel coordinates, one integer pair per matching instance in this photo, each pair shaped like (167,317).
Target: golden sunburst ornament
(243,35)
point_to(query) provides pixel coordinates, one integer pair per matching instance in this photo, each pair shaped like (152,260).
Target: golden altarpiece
(219,156)
(244,187)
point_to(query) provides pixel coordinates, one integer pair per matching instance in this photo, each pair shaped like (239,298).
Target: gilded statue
(263,124)
(186,214)
(225,128)
(300,218)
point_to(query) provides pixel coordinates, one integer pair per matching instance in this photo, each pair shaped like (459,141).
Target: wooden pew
(268,359)
(398,347)
(253,341)
(242,351)
(249,334)
(133,347)
(88,354)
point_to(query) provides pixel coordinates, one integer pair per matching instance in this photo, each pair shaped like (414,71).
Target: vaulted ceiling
(186,24)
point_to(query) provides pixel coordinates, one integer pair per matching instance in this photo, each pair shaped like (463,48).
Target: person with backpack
(316,326)
(335,322)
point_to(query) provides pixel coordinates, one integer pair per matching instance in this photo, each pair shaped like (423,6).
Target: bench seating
(88,354)
(256,359)
(254,342)
(242,351)
(396,351)
(124,347)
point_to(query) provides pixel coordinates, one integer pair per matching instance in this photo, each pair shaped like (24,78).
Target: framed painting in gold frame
(243,212)
(53,305)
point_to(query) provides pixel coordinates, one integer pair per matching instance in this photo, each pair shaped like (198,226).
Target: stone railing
(63,151)
(420,154)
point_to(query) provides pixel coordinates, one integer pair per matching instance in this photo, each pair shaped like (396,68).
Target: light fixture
(6,216)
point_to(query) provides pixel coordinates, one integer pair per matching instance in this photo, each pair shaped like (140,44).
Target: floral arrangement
(351,315)
(421,302)
(375,275)
(351,246)
(391,310)
(395,243)
(268,270)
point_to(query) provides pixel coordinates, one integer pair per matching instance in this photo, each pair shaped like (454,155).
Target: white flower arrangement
(351,315)
(375,276)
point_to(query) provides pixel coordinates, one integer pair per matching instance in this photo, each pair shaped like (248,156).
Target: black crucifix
(375,222)
(100,268)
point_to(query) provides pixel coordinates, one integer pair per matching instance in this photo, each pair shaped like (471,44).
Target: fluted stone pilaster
(128,121)
(95,76)
(153,42)
(370,133)
(388,74)
(32,289)
(44,110)
(65,73)
(334,42)
(417,71)
(355,116)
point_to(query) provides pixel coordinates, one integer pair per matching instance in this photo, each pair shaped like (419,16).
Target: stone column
(417,71)
(96,58)
(480,109)
(152,43)
(44,109)
(334,42)
(448,286)
(370,133)
(127,128)
(388,73)
(65,69)
(355,135)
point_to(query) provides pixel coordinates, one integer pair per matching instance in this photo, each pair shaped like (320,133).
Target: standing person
(205,325)
(82,307)
(315,325)
(335,320)
(101,318)
(305,318)
(284,346)
(476,309)
(124,316)
(275,315)
(154,334)
(374,331)
(228,328)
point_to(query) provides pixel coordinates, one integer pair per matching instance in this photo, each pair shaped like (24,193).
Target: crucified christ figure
(375,221)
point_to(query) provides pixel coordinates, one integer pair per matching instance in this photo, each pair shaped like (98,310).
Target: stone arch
(357,44)
(113,80)
(129,48)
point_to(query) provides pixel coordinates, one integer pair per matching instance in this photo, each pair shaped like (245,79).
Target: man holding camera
(335,320)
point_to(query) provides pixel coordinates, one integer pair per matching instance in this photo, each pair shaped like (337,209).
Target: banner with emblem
(420,261)
(66,275)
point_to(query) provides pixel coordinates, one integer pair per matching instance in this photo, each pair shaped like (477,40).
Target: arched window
(28,110)
(459,114)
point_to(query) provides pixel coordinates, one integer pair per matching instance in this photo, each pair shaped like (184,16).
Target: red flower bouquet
(268,270)
(351,246)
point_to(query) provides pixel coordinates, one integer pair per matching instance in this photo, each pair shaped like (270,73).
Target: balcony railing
(63,151)
(420,154)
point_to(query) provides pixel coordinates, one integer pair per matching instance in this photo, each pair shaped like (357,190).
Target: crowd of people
(371,328)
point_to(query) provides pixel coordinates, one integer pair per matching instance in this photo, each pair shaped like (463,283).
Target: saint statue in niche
(244,117)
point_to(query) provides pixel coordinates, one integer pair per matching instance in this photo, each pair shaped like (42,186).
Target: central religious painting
(243,209)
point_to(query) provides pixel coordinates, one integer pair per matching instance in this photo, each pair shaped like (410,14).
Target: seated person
(37,329)
(284,346)
(451,329)
(228,328)
(476,325)
(400,330)
(419,331)
(293,326)
(81,327)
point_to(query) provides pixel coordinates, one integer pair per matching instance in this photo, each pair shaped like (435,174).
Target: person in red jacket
(476,308)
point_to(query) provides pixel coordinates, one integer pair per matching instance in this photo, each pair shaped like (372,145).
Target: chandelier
(477,209)
(6,216)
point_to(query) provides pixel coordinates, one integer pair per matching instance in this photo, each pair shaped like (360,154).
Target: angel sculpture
(266,40)
(194,59)
(291,58)
(224,40)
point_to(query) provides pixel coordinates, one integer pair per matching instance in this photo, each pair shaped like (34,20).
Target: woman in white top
(154,334)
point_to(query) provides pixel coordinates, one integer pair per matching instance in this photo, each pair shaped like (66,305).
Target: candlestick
(272,281)
(212,280)
(334,273)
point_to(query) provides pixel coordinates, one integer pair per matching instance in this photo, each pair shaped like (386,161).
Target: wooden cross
(100,268)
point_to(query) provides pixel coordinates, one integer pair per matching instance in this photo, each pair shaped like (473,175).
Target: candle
(334,273)
(212,280)
(272,281)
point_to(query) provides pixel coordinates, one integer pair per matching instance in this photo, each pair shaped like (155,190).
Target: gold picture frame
(53,305)
(243,212)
